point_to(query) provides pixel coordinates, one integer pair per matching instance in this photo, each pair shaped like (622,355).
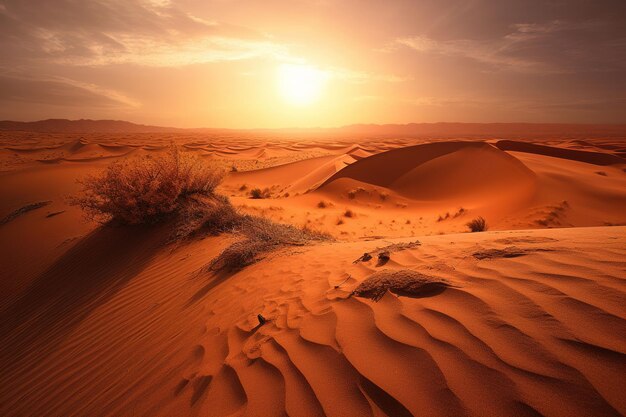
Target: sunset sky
(305,63)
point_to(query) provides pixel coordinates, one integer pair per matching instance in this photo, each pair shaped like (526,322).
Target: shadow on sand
(78,282)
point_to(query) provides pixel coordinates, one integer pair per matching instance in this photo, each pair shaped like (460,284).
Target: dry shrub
(322,204)
(239,255)
(262,236)
(403,282)
(206,215)
(146,189)
(479,224)
(349,213)
(353,193)
(257,193)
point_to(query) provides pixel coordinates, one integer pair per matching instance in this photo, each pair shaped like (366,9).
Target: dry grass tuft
(239,255)
(479,224)
(262,236)
(206,215)
(353,193)
(257,193)
(147,189)
(404,282)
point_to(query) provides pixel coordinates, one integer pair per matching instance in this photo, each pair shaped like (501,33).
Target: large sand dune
(442,171)
(526,319)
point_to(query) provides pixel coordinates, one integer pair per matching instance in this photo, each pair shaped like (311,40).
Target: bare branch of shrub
(148,188)
(479,224)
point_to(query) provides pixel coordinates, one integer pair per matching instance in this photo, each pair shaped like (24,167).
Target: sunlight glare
(300,84)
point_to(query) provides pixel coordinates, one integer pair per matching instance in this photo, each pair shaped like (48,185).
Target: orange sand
(113,321)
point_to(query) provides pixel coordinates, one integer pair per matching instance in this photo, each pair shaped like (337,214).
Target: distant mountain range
(83,126)
(361,130)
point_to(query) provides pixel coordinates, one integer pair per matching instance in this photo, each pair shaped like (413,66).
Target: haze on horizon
(301,63)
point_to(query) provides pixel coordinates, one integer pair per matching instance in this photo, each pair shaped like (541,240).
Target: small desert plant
(263,236)
(257,193)
(238,255)
(353,193)
(146,189)
(479,224)
(322,204)
(202,216)
(349,213)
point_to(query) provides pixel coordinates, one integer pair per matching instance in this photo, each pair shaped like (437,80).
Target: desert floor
(98,320)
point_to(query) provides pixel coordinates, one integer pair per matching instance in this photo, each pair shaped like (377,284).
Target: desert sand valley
(527,318)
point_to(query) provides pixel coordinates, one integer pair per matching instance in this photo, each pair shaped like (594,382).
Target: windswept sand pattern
(118,322)
(522,342)
(539,334)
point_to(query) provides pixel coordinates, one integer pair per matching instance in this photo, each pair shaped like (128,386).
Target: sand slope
(116,322)
(442,171)
(136,330)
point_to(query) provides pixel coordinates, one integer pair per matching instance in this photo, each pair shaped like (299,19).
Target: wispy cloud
(553,47)
(98,32)
(62,92)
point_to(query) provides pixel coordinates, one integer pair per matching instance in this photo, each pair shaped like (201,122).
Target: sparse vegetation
(202,216)
(479,224)
(147,189)
(322,204)
(262,236)
(353,193)
(349,213)
(174,185)
(257,193)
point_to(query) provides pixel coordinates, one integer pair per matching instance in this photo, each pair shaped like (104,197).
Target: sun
(300,85)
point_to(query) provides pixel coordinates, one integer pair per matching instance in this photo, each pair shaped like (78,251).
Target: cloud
(553,47)
(98,32)
(61,92)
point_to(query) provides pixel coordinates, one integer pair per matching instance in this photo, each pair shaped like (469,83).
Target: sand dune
(511,336)
(442,171)
(119,321)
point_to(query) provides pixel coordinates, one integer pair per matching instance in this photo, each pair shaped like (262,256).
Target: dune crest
(442,171)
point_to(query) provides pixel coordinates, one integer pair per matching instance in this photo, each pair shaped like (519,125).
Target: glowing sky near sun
(297,63)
